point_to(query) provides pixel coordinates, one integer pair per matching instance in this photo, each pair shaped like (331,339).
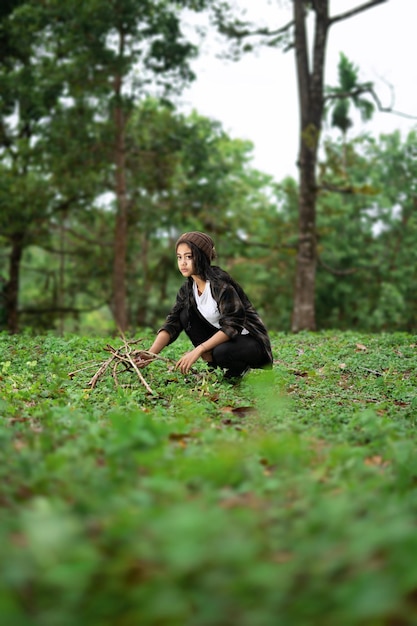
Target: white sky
(256,98)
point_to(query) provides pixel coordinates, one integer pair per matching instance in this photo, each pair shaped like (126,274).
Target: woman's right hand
(142,358)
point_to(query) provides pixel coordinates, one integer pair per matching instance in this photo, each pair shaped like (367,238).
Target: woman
(215,313)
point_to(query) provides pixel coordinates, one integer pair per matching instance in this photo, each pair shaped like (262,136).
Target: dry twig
(127,360)
(130,360)
(125,357)
(93,381)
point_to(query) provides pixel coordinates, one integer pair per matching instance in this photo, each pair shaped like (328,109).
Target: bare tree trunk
(120,235)
(310,76)
(12,286)
(303,317)
(310,91)
(61,274)
(146,287)
(121,230)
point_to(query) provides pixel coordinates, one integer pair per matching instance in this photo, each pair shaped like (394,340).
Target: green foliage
(66,69)
(349,91)
(290,495)
(365,275)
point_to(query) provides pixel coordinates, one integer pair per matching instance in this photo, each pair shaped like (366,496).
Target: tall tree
(103,57)
(27,96)
(114,53)
(310,65)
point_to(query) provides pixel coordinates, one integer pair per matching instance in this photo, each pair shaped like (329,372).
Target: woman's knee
(221,354)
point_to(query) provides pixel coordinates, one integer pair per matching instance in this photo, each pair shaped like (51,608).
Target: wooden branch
(260,244)
(239,30)
(61,309)
(359,9)
(389,109)
(369,89)
(375,372)
(128,359)
(81,237)
(93,381)
(342,190)
(82,369)
(335,272)
(123,357)
(234,32)
(334,94)
(348,272)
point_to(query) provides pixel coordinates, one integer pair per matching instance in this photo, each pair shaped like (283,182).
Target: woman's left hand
(188,359)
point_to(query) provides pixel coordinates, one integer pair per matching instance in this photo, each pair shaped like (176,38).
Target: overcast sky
(256,98)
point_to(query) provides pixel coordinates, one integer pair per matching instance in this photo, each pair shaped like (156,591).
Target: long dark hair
(205,270)
(200,260)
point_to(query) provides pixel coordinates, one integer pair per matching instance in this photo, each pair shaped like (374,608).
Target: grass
(289,499)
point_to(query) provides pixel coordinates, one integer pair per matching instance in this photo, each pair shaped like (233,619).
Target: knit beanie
(201,240)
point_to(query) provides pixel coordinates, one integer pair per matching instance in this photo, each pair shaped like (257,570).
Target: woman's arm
(143,358)
(161,341)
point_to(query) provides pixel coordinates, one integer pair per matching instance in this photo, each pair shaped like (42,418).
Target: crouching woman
(216,314)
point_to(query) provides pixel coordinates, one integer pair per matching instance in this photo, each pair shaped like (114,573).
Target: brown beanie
(201,240)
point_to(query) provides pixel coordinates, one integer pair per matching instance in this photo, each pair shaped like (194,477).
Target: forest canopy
(100,172)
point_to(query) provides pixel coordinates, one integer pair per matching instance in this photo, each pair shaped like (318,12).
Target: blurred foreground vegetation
(287,499)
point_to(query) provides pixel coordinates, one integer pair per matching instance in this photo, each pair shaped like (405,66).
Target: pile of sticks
(123,359)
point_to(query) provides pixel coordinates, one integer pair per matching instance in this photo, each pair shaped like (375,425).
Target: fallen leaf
(249,500)
(360,346)
(282,557)
(376,461)
(244,410)
(181,439)
(241,411)
(299,373)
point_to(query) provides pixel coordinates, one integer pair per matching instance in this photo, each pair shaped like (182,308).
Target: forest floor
(287,499)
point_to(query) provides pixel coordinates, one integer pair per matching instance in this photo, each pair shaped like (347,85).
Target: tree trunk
(12,286)
(310,91)
(61,274)
(142,309)
(120,235)
(310,77)
(121,230)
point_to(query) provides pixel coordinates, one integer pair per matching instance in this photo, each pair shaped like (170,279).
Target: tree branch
(261,244)
(342,190)
(239,30)
(78,235)
(335,94)
(367,88)
(335,272)
(347,272)
(62,309)
(355,11)
(233,31)
(389,109)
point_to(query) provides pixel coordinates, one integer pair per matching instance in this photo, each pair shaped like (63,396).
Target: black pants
(235,355)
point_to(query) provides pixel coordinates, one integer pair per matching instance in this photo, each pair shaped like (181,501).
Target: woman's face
(185,260)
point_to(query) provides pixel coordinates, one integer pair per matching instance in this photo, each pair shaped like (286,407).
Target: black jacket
(236,311)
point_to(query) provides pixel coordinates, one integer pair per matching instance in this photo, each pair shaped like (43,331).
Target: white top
(207,306)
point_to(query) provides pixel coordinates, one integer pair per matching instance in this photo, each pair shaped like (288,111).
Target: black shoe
(234,377)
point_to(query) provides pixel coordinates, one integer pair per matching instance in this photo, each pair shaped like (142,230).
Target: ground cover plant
(289,498)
